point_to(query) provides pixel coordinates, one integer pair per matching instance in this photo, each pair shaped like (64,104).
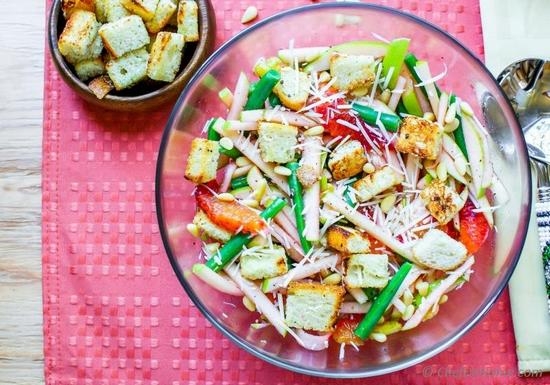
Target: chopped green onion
(381,303)
(234,246)
(239,182)
(371,116)
(261,90)
(298,203)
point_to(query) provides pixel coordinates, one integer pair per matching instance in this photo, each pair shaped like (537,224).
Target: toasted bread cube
(293,88)
(347,160)
(78,36)
(377,182)
(101,86)
(129,69)
(263,263)
(164,12)
(420,137)
(108,11)
(352,73)
(312,305)
(202,162)
(165,58)
(69,6)
(367,270)
(277,142)
(347,240)
(188,20)
(209,229)
(124,35)
(143,8)
(88,69)
(439,251)
(441,201)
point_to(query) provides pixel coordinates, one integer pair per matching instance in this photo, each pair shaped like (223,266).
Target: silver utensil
(527,85)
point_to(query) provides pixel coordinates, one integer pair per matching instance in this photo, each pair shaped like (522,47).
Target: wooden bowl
(147,94)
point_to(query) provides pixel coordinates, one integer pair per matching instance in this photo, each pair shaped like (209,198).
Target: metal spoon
(527,85)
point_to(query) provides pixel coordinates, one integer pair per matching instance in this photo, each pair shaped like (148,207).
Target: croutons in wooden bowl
(130,55)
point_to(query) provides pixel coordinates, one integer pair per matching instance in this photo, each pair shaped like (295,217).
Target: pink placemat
(114,312)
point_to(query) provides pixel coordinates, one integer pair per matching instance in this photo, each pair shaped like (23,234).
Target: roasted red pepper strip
(474,228)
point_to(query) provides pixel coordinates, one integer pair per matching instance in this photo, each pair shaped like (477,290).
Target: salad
(344,195)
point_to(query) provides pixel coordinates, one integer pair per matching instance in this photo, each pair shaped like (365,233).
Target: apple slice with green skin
(358,47)
(476,153)
(395,55)
(305,54)
(410,101)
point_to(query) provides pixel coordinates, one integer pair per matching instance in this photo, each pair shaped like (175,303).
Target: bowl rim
(207,27)
(403,363)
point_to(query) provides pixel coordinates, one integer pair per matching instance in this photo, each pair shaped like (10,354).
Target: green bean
(382,302)
(298,203)
(458,133)
(261,90)
(371,116)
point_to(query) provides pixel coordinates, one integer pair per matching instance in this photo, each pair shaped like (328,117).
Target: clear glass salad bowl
(316,26)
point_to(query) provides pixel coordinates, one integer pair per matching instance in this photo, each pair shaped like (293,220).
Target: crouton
(188,20)
(101,86)
(124,35)
(165,58)
(143,8)
(129,69)
(420,137)
(293,88)
(202,162)
(263,263)
(78,36)
(163,14)
(367,270)
(277,142)
(88,69)
(352,73)
(312,305)
(347,160)
(439,251)
(377,182)
(441,201)
(347,240)
(96,49)
(208,229)
(69,6)
(108,11)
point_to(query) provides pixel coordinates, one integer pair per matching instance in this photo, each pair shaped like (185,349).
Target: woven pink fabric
(114,312)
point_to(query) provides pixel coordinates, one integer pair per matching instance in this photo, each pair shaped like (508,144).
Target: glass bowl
(313,26)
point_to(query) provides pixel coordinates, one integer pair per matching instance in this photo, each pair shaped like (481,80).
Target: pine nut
(226,197)
(226,143)
(422,288)
(332,279)
(451,126)
(251,203)
(444,298)
(282,170)
(385,96)
(248,304)
(242,161)
(379,337)
(369,168)
(193,229)
(314,131)
(249,14)
(407,297)
(211,248)
(387,203)
(461,165)
(429,116)
(409,311)
(451,113)
(324,77)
